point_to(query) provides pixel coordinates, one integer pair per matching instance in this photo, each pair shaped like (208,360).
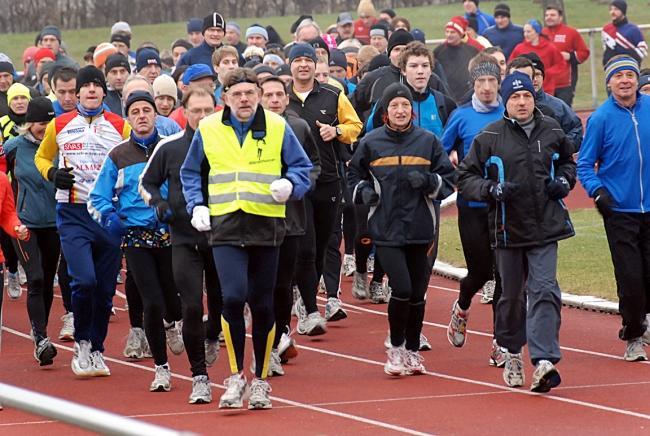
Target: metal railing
(592,33)
(79,415)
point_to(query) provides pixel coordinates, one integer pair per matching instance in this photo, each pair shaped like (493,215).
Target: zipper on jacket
(638,146)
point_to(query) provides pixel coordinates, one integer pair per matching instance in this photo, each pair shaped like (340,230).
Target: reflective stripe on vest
(240,176)
(6,125)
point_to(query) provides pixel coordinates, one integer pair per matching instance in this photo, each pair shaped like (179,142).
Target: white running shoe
(457,329)
(14,291)
(201,390)
(259,397)
(287,347)
(333,310)
(211,352)
(360,286)
(498,355)
(634,350)
(313,325)
(299,310)
(174,337)
(377,292)
(44,352)
(162,380)
(322,289)
(146,351)
(395,364)
(370,263)
(545,377)
(82,364)
(100,369)
(513,371)
(133,346)
(425,345)
(413,363)
(236,392)
(349,265)
(66,333)
(488,292)
(275,365)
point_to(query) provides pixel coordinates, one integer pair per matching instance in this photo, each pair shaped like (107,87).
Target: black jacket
(503,152)
(404,216)
(164,165)
(113,100)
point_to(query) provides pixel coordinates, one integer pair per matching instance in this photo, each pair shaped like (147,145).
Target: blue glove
(114,226)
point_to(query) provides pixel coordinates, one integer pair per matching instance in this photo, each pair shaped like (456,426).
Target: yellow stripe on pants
(232,359)
(267,351)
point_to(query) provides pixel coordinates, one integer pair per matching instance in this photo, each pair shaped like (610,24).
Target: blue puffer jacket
(116,187)
(617,138)
(563,114)
(35,205)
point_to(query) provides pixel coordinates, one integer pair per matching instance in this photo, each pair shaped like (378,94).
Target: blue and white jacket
(617,139)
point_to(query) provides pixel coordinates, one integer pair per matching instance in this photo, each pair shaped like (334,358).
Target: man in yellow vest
(252,164)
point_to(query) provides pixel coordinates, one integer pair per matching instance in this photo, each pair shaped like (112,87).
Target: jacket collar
(258,126)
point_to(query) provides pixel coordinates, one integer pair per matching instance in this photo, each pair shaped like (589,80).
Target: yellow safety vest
(240,176)
(6,125)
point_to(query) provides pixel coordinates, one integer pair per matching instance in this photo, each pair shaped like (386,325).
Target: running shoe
(413,363)
(513,371)
(395,365)
(360,286)
(313,325)
(201,390)
(259,394)
(545,377)
(67,329)
(146,351)
(162,380)
(349,266)
(488,292)
(498,355)
(377,292)
(44,352)
(287,347)
(275,365)
(646,337)
(211,352)
(370,263)
(133,347)
(14,291)
(322,289)
(425,345)
(387,343)
(81,363)
(22,276)
(236,392)
(634,351)
(174,337)
(457,330)
(333,310)
(99,367)
(300,312)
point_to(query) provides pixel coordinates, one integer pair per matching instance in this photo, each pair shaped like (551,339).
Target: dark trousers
(408,272)
(133,299)
(64,283)
(152,272)
(247,274)
(283,296)
(191,265)
(332,267)
(349,227)
(93,262)
(39,256)
(11,258)
(321,212)
(628,235)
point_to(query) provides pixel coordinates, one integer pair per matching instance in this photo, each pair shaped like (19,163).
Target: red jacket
(361,32)
(8,218)
(567,39)
(554,63)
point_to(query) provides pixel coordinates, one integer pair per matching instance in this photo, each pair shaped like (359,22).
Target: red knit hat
(458,23)
(43,53)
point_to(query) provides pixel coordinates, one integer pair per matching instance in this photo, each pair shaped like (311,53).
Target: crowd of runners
(236,168)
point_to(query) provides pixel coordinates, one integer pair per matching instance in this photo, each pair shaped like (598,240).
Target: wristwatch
(339,132)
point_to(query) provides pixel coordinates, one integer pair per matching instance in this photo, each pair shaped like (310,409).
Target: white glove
(281,190)
(201,218)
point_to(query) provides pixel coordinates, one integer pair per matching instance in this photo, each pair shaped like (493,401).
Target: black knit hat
(121,37)
(40,109)
(88,74)
(117,60)
(215,19)
(537,62)
(502,10)
(136,96)
(7,67)
(399,37)
(395,90)
(620,4)
(319,42)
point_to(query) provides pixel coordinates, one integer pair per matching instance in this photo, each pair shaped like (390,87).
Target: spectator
(471,10)
(195,31)
(622,37)
(504,34)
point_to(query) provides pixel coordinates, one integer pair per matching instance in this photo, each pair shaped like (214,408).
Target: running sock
(398,315)
(414,325)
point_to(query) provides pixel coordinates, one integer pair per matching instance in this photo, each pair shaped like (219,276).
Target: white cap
(121,26)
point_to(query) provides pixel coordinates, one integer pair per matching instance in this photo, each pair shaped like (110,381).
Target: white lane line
(478,333)
(297,404)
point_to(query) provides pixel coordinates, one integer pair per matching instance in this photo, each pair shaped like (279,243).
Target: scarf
(483,108)
(89,112)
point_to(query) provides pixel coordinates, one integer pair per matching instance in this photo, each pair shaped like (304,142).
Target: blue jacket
(506,38)
(201,54)
(484,21)
(119,178)
(617,139)
(564,115)
(36,205)
(166,126)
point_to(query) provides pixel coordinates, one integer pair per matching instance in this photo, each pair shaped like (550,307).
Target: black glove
(164,212)
(423,181)
(503,191)
(366,194)
(557,188)
(61,177)
(604,202)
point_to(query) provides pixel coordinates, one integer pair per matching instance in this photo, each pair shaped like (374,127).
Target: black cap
(338,59)
(136,96)
(319,42)
(88,74)
(391,13)
(7,67)
(502,10)
(283,70)
(117,60)
(395,90)
(300,19)
(399,37)
(215,19)
(39,110)
(537,62)
(121,37)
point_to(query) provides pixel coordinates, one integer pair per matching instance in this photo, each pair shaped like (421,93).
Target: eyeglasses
(198,111)
(239,94)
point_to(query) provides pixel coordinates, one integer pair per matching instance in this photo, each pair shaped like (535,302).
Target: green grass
(584,263)
(431,19)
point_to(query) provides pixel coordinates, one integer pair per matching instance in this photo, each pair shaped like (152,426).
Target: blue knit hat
(536,25)
(145,57)
(620,63)
(302,50)
(194,25)
(516,82)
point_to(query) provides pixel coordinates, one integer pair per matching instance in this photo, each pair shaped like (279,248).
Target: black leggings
(11,258)
(190,265)
(408,271)
(349,227)
(321,212)
(332,267)
(133,299)
(64,283)
(39,256)
(363,245)
(283,295)
(152,272)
